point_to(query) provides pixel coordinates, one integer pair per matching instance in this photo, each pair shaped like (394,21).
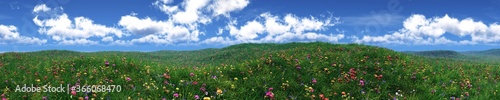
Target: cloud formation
(69,32)
(420,30)
(9,35)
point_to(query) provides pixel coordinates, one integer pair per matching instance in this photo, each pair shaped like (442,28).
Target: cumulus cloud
(429,31)
(182,22)
(160,32)
(9,34)
(280,29)
(41,8)
(66,31)
(223,7)
(248,31)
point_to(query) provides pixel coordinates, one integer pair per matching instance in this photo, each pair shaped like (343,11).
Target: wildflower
(73,92)
(297,67)
(196,97)
(219,91)
(361,82)
(166,76)
(128,79)
(195,83)
(114,65)
(214,77)
(270,89)
(44,98)
(176,95)
(106,63)
(191,74)
(452,98)
(235,78)
(311,89)
(314,81)
(270,95)
(202,89)
(433,91)
(86,97)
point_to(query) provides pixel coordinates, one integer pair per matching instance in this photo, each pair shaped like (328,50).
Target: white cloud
(160,32)
(420,30)
(248,31)
(75,31)
(9,34)
(143,26)
(107,39)
(218,40)
(41,8)
(182,22)
(280,29)
(223,7)
(81,41)
(191,12)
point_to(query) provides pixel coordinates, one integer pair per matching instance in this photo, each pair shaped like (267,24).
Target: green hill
(247,71)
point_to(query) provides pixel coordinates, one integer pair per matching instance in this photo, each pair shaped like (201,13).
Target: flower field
(294,71)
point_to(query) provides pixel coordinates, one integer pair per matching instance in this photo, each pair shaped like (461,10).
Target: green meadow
(293,71)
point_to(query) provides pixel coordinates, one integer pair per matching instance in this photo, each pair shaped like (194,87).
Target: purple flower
(128,79)
(202,89)
(270,89)
(191,74)
(298,67)
(86,97)
(106,63)
(214,77)
(44,98)
(114,65)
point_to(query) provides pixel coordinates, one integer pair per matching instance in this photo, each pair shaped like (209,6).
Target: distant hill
(491,52)
(436,53)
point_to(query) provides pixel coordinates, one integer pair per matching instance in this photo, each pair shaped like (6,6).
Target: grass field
(299,71)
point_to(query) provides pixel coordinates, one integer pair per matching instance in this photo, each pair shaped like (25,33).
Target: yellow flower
(206,98)
(235,78)
(219,91)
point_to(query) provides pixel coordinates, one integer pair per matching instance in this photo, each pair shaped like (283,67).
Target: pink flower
(270,89)
(196,97)
(270,94)
(176,95)
(195,83)
(73,93)
(128,79)
(314,81)
(361,82)
(192,74)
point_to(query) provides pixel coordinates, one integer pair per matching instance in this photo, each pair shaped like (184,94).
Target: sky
(152,25)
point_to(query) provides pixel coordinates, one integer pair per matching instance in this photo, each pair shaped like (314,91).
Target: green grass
(246,71)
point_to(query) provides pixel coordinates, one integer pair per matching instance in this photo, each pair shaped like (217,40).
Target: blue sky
(151,25)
